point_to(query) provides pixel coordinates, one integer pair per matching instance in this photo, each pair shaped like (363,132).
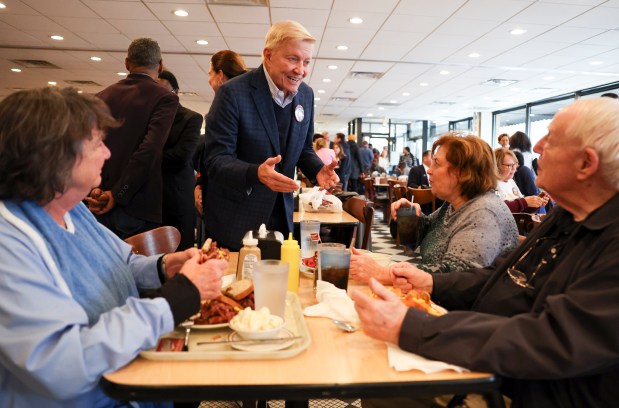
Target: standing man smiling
(258,129)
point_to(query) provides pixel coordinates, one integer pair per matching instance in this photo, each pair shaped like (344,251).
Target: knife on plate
(259,341)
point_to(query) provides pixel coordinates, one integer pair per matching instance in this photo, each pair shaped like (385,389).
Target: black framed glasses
(522,279)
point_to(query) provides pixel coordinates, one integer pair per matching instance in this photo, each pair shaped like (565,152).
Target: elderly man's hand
(205,276)
(274,180)
(363,267)
(381,318)
(175,261)
(407,276)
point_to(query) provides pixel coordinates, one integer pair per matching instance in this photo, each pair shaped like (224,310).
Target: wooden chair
(526,222)
(364,212)
(160,240)
(380,200)
(421,196)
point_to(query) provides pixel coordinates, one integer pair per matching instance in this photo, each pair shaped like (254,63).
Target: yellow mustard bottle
(248,256)
(291,253)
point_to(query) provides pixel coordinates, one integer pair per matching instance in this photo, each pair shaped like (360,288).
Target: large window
(540,116)
(509,121)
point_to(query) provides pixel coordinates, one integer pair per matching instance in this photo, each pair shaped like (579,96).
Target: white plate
(262,346)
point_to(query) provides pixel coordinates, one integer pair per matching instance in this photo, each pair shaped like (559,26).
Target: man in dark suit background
(129,198)
(177,167)
(259,128)
(418,175)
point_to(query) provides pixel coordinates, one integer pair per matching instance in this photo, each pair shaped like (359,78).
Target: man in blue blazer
(258,129)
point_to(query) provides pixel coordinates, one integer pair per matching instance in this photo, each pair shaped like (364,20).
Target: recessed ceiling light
(370,114)
(315,106)
(548,78)
(202,42)
(518,31)
(423,84)
(393,101)
(51,83)
(596,62)
(80,91)
(332,66)
(121,73)
(15,69)
(444,72)
(342,47)
(95,58)
(514,89)
(2,6)
(316,98)
(406,94)
(381,108)
(181,13)
(326,80)
(355,20)
(56,37)
(474,55)
(321,91)
(487,98)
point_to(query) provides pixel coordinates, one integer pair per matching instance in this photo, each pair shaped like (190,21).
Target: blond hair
(283,31)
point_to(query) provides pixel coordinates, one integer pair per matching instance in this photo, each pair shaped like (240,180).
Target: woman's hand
(363,267)
(403,202)
(175,260)
(206,276)
(381,318)
(407,276)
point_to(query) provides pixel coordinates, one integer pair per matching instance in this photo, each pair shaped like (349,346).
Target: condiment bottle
(291,253)
(248,256)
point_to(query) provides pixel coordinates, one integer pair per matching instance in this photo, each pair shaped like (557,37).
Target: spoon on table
(187,325)
(347,327)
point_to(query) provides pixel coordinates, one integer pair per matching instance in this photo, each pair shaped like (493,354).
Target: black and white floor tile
(382,242)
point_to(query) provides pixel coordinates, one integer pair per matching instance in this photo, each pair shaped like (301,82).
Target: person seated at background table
(508,191)
(470,229)
(69,305)
(546,317)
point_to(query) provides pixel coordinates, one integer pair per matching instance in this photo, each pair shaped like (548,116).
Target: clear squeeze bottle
(291,253)
(248,256)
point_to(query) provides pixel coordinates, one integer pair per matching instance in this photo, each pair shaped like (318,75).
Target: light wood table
(327,219)
(335,365)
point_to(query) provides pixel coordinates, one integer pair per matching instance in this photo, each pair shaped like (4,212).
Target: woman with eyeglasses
(507,189)
(470,229)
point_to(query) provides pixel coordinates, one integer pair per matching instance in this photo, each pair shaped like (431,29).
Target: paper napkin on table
(333,303)
(402,360)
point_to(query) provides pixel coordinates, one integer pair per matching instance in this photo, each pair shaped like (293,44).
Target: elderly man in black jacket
(546,317)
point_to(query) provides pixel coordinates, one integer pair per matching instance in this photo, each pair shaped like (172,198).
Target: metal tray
(294,322)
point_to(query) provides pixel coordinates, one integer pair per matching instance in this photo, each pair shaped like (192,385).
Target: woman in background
(322,150)
(521,142)
(508,191)
(225,65)
(503,140)
(339,156)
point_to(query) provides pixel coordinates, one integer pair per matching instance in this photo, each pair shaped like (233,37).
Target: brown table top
(335,364)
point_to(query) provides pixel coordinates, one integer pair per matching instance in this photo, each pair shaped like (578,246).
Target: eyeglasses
(520,278)
(510,166)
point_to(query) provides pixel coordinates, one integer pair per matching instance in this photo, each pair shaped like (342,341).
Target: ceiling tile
(165,12)
(600,17)
(307,17)
(240,14)
(114,9)
(314,4)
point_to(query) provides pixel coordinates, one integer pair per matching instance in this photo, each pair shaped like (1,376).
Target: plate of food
(216,313)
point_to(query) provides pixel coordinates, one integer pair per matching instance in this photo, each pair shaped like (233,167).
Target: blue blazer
(241,133)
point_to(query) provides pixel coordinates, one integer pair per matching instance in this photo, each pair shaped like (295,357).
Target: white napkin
(402,360)
(333,303)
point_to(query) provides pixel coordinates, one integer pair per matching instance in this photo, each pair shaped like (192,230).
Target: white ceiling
(408,41)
